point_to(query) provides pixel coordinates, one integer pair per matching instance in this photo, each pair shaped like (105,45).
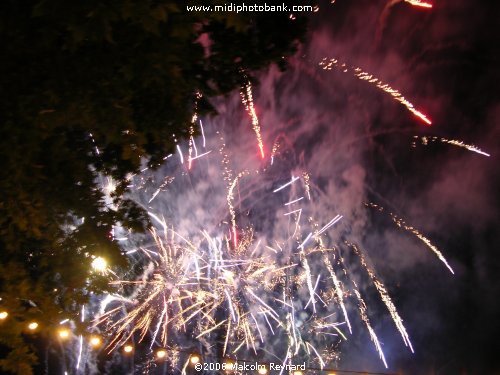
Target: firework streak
(425,140)
(247,100)
(364,76)
(402,224)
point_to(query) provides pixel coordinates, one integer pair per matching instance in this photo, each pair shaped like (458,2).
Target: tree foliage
(91,88)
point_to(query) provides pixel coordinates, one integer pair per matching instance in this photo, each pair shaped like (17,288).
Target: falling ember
(274,150)
(364,76)
(307,184)
(247,100)
(425,140)
(383,295)
(338,290)
(366,320)
(401,223)
(194,118)
(191,142)
(230,198)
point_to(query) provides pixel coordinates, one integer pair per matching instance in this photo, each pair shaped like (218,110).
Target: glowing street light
(229,365)
(161,353)
(99,264)
(95,341)
(63,333)
(4,315)
(195,358)
(32,326)
(128,348)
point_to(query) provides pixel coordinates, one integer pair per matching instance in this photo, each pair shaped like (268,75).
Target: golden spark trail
(230,198)
(191,131)
(425,140)
(402,224)
(364,76)
(274,150)
(247,100)
(383,295)
(338,290)
(364,317)
(307,184)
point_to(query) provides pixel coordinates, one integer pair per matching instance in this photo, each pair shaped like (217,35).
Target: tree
(91,88)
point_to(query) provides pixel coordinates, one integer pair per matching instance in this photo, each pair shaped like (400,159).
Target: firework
(384,296)
(425,140)
(247,100)
(329,64)
(366,320)
(402,224)
(200,284)
(221,280)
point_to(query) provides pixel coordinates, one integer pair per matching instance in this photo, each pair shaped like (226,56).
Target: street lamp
(99,264)
(195,358)
(95,341)
(160,354)
(63,333)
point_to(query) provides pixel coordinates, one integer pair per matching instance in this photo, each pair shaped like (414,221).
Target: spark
(191,132)
(274,150)
(181,157)
(230,197)
(307,184)
(402,224)
(247,100)
(364,76)
(383,295)
(292,212)
(338,290)
(294,201)
(201,155)
(301,246)
(285,185)
(366,320)
(425,140)
(202,133)
(80,339)
(331,223)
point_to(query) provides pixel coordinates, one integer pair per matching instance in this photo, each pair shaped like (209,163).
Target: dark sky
(446,60)
(357,144)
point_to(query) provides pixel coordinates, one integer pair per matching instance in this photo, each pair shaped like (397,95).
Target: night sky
(358,145)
